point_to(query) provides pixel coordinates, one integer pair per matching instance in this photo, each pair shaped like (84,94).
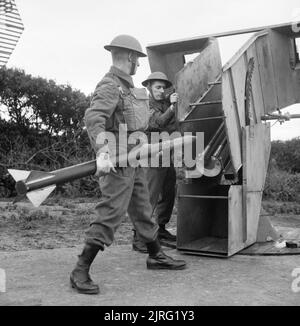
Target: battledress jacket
(116,102)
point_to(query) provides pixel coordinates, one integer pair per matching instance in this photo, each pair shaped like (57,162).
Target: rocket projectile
(38,185)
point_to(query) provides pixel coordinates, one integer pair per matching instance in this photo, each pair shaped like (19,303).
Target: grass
(275,207)
(64,224)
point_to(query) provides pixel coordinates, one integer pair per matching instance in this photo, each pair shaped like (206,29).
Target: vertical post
(244,189)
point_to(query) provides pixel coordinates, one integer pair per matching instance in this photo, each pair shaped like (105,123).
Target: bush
(275,207)
(282,186)
(287,155)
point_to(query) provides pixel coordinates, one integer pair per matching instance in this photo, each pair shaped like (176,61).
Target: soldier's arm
(104,102)
(160,120)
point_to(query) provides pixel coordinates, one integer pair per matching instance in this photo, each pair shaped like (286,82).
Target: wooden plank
(243,49)
(213,93)
(193,221)
(256,150)
(207,245)
(253,206)
(157,61)
(235,220)
(174,62)
(202,119)
(268,249)
(266,229)
(244,182)
(257,145)
(258,249)
(206,103)
(192,80)
(232,123)
(190,42)
(267,75)
(287,85)
(202,197)
(239,70)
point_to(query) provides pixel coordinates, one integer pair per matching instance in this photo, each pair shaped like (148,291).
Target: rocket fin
(19,175)
(38,196)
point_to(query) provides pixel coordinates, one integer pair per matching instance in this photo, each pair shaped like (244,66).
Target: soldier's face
(158,90)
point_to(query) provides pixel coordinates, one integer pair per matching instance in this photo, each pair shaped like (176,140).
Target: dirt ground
(57,224)
(61,223)
(37,275)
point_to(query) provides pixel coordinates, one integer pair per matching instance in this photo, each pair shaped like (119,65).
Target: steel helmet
(126,42)
(157,76)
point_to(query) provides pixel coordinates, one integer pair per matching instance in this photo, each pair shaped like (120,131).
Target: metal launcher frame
(219,213)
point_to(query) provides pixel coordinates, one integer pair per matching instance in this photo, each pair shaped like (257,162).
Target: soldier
(116,102)
(161,180)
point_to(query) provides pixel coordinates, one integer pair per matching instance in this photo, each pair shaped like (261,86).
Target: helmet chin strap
(150,91)
(132,69)
(133,60)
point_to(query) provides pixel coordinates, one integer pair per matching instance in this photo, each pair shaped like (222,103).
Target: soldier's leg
(155,178)
(140,209)
(165,205)
(140,212)
(116,191)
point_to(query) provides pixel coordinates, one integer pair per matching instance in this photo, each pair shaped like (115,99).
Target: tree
(35,102)
(287,155)
(41,125)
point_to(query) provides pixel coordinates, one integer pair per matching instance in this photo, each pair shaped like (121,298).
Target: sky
(63,39)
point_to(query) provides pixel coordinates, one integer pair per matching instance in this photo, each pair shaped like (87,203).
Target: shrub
(282,186)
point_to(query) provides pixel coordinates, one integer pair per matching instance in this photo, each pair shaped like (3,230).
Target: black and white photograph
(149,156)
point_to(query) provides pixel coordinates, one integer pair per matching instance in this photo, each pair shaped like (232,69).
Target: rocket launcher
(38,185)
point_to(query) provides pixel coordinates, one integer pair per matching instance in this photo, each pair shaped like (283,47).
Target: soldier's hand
(104,164)
(174,98)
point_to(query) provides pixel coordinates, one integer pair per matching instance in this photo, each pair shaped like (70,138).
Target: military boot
(80,278)
(157,259)
(164,234)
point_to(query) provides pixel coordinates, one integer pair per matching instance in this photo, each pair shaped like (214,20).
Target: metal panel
(235,220)
(267,74)
(255,164)
(233,127)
